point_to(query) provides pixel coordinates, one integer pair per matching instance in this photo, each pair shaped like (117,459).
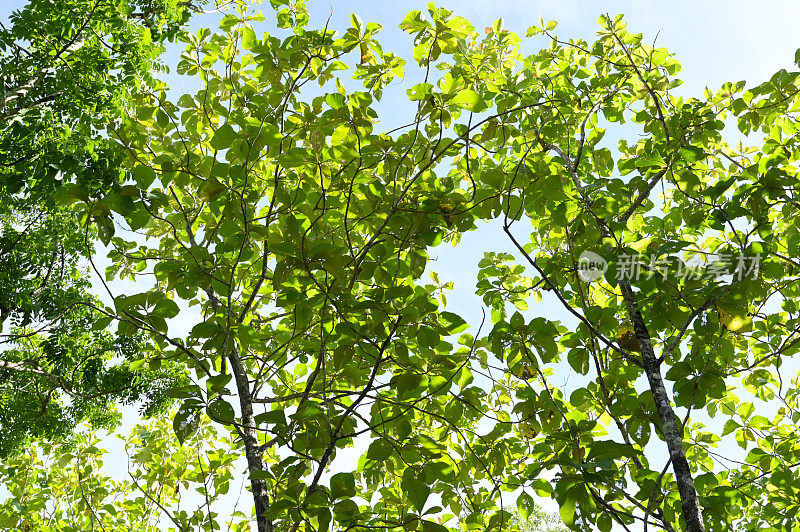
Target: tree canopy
(272,216)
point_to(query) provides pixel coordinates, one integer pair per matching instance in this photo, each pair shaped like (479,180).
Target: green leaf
(166,308)
(179,392)
(470,100)
(579,360)
(525,505)
(413,22)
(228,22)
(143,175)
(278,507)
(430,526)
(692,154)
(647,160)
(101,323)
(729,427)
(605,523)
(221,411)
(746,410)
(271,417)
(223,137)
(186,420)
(415,491)
(343,485)
(379,450)
(269,134)
(420,91)
(336,100)
(345,511)
(217,383)
(608,449)
(70,193)
(209,190)
(567,510)
(248,37)
(453,322)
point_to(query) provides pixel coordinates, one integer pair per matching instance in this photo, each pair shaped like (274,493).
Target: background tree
(59,365)
(65,69)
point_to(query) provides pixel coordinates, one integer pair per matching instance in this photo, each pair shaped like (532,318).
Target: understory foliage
(63,486)
(272,215)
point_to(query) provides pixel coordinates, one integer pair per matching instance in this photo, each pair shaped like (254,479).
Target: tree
(301,233)
(66,68)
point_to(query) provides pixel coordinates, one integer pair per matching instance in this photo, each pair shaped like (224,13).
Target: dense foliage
(59,366)
(271,213)
(66,68)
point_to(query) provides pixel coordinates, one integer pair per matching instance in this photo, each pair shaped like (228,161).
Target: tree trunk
(673,434)
(251,445)
(252,449)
